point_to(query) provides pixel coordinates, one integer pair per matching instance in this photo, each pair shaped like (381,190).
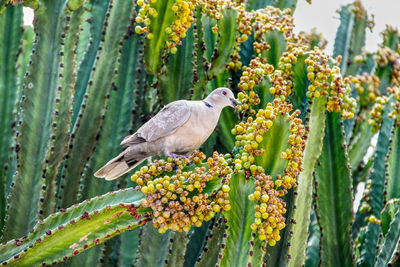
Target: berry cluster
(282,83)
(265,20)
(184,198)
(360,13)
(385,55)
(395,114)
(327,81)
(376,113)
(270,207)
(183,18)
(395,74)
(251,76)
(183,11)
(294,154)
(269,210)
(368,82)
(250,134)
(313,38)
(143,17)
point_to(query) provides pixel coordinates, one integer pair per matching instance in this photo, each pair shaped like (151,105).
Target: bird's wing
(166,122)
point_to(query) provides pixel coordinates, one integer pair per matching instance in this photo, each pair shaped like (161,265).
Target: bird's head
(222,97)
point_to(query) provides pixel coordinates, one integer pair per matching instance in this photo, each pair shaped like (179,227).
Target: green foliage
(334,185)
(239,219)
(303,199)
(91,72)
(79,227)
(10,36)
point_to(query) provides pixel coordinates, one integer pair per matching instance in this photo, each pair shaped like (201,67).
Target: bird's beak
(234,102)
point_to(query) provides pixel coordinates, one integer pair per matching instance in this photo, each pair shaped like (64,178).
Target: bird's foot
(176,156)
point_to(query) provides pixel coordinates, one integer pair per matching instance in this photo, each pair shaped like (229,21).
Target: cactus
(274,185)
(11,34)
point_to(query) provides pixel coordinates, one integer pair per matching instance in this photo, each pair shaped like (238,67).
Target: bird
(177,130)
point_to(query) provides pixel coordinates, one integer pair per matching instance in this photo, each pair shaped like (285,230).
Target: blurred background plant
(274,185)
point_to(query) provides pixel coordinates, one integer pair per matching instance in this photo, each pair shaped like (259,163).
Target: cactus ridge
(297,150)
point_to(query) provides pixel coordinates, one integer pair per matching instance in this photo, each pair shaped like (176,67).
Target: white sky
(322,14)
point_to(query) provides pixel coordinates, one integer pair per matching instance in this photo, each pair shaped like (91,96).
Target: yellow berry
(225,188)
(174,50)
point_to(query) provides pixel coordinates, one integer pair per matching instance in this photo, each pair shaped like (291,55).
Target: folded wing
(166,122)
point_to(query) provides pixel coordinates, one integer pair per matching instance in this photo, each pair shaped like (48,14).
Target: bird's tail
(117,167)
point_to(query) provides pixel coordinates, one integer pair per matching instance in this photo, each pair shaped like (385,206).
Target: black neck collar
(207,104)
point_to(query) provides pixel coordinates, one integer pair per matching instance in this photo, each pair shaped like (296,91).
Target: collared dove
(178,129)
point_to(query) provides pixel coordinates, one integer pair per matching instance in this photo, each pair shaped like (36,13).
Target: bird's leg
(175,156)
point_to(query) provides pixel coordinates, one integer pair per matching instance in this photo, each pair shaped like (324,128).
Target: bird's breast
(195,131)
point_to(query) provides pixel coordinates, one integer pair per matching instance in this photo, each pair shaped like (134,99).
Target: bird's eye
(224,92)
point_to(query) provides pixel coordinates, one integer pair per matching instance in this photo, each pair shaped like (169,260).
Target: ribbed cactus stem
(153,248)
(35,128)
(177,249)
(10,37)
(315,125)
(224,49)
(212,246)
(85,134)
(376,196)
(90,46)
(63,112)
(69,232)
(334,188)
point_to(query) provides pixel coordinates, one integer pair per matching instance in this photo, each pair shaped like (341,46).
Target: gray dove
(177,130)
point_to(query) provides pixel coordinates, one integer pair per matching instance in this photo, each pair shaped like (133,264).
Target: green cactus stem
(376,197)
(34,128)
(153,249)
(224,49)
(62,115)
(85,133)
(237,251)
(156,45)
(197,237)
(10,38)
(334,196)
(388,251)
(177,249)
(393,187)
(303,196)
(87,50)
(212,246)
(74,230)
(177,76)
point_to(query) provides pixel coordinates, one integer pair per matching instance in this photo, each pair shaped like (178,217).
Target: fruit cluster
(375,119)
(395,114)
(395,74)
(251,76)
(183,17)
(250,134)
(368,82)
(327,81)
(294,154)
(313,38)
(385,55)
(143,17)
(269,210)
(183,11)
(186,197)
(262,21)
(360,13)
(270,207)
(270,19)
(282,83)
